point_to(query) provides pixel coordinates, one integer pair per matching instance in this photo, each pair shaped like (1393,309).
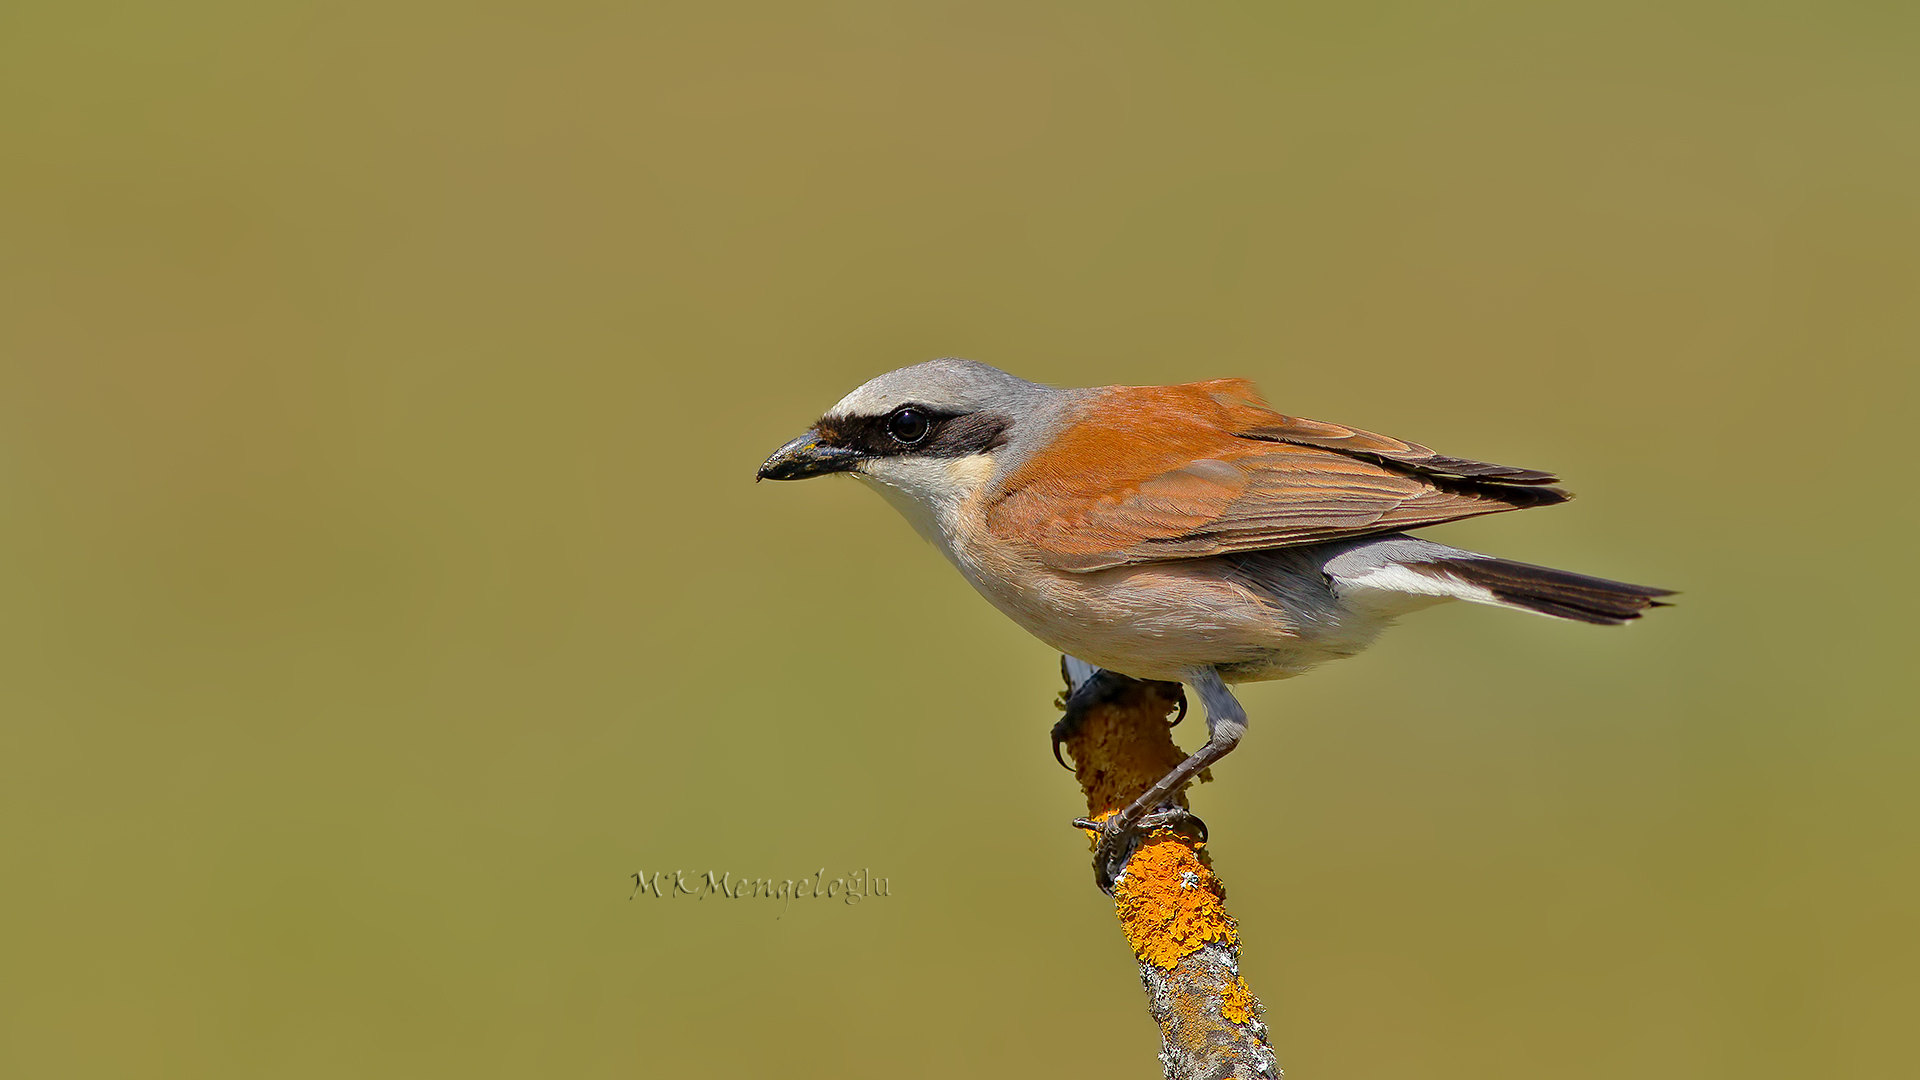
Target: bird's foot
(1102,688)
(1120,838)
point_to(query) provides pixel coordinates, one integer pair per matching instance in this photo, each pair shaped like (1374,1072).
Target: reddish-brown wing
(1146,473)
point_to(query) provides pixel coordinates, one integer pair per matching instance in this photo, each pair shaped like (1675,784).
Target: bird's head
(928,435)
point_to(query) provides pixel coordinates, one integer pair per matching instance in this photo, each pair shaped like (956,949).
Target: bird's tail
(1547,591)
(1415,572)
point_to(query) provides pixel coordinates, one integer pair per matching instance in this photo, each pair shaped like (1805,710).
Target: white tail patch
(1386,583)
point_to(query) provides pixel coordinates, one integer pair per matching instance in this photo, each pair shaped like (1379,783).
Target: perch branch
(1172,908)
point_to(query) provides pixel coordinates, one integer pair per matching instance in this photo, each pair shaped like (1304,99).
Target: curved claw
(1194,820)
(1112,853)
(1182,714)
(1063,730)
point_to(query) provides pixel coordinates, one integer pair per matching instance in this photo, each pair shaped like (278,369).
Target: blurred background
(382,579)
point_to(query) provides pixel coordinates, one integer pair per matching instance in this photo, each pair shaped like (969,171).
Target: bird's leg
(1121,833)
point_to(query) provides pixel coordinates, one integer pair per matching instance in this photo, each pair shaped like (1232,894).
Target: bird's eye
(908,426)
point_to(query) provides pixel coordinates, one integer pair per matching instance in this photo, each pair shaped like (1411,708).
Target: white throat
(929,492)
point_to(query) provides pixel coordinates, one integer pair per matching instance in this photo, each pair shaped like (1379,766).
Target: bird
(1186,533)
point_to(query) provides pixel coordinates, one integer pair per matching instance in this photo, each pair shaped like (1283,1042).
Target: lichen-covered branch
(1172,907)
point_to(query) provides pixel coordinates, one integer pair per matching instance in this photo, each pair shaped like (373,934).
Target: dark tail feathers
(1556,592)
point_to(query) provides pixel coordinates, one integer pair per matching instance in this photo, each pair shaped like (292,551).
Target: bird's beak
(807,456)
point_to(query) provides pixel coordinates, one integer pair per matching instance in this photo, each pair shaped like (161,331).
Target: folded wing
(1144,474)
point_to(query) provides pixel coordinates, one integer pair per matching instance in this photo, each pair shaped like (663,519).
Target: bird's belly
(1162,620)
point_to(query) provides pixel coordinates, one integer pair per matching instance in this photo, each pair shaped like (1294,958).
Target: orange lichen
(1238,1005)
(1169,901)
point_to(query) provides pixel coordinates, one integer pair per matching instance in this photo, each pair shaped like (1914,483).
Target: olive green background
(382,579)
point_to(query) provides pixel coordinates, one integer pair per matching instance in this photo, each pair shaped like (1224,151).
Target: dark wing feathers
(1151,473)
(1390,452)
(1257,421)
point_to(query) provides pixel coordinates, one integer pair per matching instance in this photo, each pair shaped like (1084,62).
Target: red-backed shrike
(1183,533)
